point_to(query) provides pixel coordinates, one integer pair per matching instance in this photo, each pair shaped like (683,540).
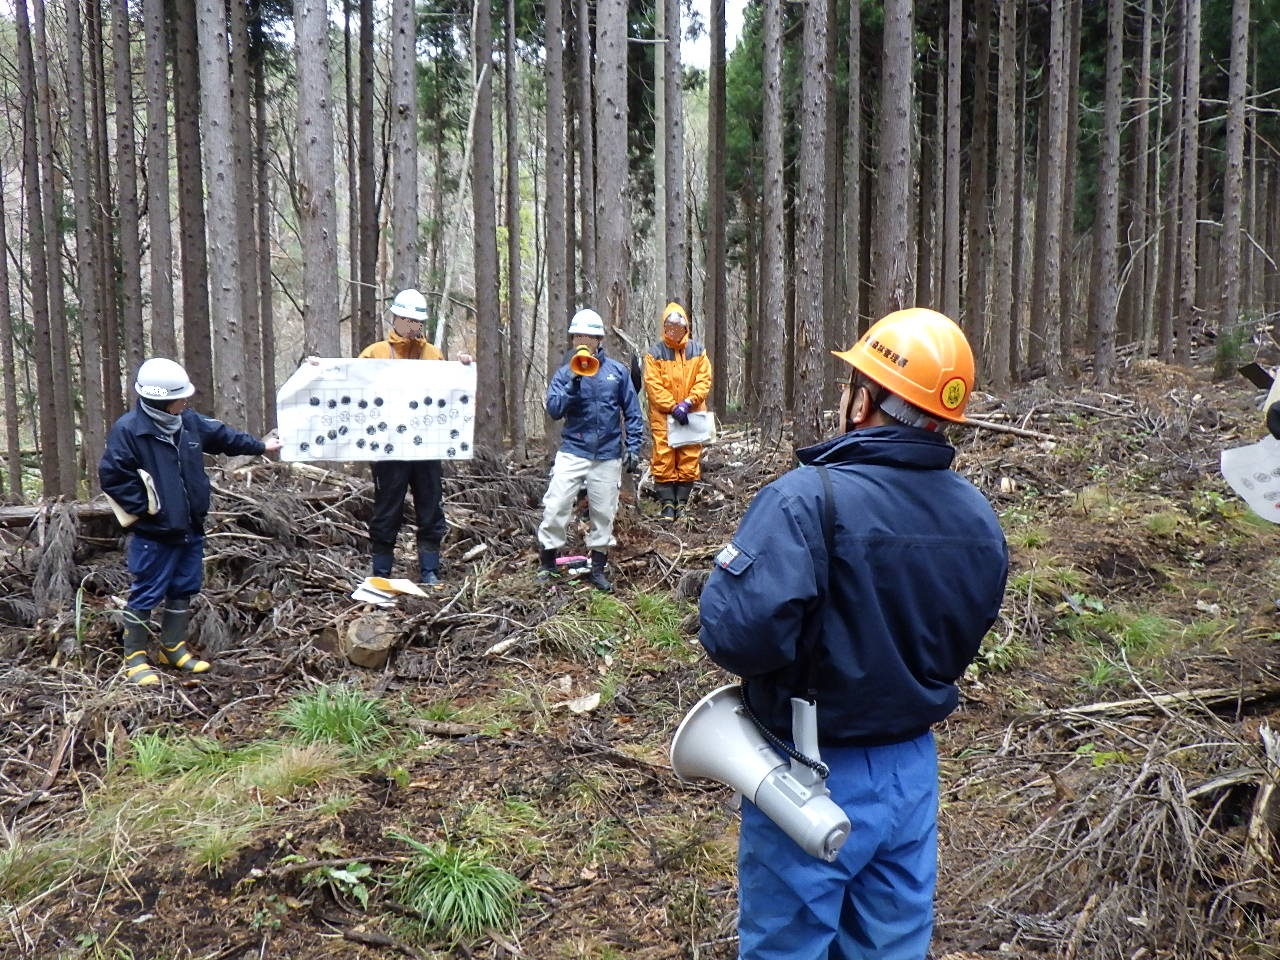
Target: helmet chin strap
(894,406)
(891,404)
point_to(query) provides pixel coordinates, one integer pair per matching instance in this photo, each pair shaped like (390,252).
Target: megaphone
(584,363)
(718,741)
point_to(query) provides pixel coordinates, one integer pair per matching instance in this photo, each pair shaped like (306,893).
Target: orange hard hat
(919,355)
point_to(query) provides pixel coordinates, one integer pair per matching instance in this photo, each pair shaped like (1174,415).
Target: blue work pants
(875,902)
(164,570)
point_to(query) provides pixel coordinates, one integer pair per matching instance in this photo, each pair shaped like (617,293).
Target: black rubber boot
(137,633)
(597,577)
(682,497)
(173,651)
(547,563)
(667,494)
(429,567)
(382,563)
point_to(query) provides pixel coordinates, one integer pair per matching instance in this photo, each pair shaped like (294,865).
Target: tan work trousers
(603,478)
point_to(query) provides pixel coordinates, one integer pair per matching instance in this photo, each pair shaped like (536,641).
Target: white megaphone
(718,741)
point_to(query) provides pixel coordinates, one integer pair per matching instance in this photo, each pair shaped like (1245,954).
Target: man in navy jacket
(153,472)
(865,585)
(603,430)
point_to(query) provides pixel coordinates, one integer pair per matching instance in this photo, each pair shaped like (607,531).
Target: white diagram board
(1254,473)
(351,409)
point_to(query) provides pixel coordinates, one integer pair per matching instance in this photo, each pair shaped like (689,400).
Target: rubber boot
(597,577)
(667,494)
(383,562)
(173,651)
(136,634)
(429,567)
(682,497)
(547,568)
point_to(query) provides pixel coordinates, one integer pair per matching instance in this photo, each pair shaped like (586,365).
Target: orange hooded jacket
(396,347)
(675,369)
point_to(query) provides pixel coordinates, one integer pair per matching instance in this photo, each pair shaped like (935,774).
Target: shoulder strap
(828,537)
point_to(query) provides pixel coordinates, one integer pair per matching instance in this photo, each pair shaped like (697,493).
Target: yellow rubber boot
(172,651)
(136,630)
(138,670)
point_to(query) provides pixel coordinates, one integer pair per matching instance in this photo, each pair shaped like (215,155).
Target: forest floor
(501,787)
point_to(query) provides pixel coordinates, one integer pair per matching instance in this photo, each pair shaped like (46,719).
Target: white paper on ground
(397,585)
(367,594)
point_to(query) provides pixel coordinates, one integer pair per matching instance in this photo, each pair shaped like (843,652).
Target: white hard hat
(410,304)
(161,379)
(586,322)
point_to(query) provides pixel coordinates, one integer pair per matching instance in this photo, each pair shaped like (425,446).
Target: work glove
(681,411)
(629,462)
(575,385)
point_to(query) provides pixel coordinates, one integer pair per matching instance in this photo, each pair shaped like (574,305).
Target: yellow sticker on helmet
(953,393)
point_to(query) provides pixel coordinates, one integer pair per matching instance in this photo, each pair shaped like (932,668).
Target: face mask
(844,410)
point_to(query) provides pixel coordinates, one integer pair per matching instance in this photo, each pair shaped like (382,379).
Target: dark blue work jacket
(896,612)
(593,412)
(136,443)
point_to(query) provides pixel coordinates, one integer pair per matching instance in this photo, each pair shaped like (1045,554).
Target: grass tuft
(458,894)
(660,617)
(283,773)
(336,714)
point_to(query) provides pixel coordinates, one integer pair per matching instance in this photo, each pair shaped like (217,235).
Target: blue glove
(681,411)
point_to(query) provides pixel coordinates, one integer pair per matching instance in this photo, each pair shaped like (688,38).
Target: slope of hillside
(500,788)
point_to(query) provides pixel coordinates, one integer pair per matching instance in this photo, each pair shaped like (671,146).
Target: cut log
(370,640)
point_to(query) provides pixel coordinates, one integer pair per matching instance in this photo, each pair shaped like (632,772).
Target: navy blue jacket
(137,443)
(593,410)
(896,614)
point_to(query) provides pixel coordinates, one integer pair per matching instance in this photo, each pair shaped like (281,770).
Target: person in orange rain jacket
(677,381)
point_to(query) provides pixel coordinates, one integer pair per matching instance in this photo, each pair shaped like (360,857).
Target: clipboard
(700,430)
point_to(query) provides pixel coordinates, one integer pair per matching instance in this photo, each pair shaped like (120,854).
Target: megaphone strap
(810,641)
(817,766)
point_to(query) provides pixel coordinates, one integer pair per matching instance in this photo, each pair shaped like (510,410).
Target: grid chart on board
(378,410)
(1253,471)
